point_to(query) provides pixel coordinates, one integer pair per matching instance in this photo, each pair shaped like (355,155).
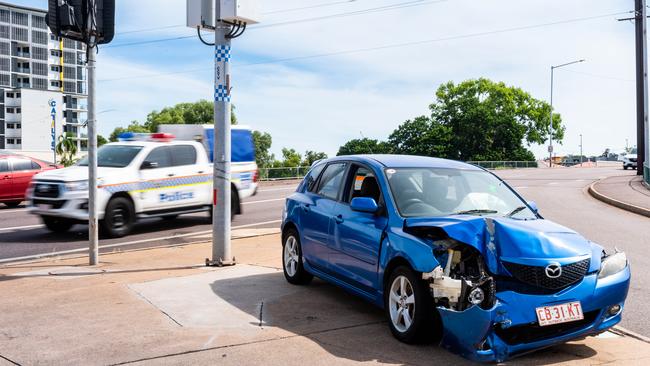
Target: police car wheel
(119,218)
(56,224)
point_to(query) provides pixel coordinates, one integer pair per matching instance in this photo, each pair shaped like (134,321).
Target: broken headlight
(612,264)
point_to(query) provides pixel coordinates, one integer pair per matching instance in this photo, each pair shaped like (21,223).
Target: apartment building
(42,79)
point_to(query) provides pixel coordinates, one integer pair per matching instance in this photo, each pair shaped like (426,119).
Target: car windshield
(426,192)
(114,156)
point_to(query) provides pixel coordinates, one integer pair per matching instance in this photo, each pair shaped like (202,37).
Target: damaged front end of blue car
(507,287)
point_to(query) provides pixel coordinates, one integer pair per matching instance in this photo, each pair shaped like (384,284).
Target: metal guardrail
(286,173)
(493,165)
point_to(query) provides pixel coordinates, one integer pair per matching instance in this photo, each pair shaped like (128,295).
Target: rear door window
(35,166)
(312,177)
(18,165)
(183,155)
(330,182)
(161,156)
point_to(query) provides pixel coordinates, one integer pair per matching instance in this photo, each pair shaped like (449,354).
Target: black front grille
(55,204)
(46,190)
(534,332)
(536,276)
(633,160)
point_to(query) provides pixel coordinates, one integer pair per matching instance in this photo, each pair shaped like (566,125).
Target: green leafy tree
(66,149)
(198,113)
(486,120)
(421,136)
(313,156)
(263,142)
(101,140)
(133,127)
(291,158)
(364,146)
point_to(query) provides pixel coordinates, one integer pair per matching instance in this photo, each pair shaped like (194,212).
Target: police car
(141,176)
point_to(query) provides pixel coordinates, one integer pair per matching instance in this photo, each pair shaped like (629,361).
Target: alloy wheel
(401,303)
(291,256)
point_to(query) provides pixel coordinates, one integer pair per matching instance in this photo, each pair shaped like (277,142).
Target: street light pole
(581,150)
(550,135)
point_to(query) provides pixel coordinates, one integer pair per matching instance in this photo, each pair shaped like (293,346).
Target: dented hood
(532,242)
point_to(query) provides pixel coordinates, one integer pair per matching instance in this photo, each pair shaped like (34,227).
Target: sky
(319,103)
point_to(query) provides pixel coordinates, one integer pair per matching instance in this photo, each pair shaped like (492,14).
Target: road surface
(560,194)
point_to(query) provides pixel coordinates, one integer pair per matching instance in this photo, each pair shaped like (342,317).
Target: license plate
(556,314)
(43,206)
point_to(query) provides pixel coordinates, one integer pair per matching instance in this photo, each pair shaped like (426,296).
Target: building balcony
(13,133)
(20,54)
(12,102)
(21,70)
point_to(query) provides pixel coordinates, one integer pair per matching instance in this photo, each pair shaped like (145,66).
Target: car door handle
(339,219)
(171,175)
(201,172)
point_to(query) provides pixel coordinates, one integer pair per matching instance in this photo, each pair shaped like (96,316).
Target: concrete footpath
(162,307)
(626,192)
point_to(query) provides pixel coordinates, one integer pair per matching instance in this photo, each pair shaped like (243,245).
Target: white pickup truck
(151,176)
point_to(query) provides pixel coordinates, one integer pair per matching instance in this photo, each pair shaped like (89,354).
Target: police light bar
(132,136)
(158,137)
(162,137)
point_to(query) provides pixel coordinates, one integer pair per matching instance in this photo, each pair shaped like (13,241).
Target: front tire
(13,204)
(625,167)
(292,265)
(56,224)
(119,218)
(409,307)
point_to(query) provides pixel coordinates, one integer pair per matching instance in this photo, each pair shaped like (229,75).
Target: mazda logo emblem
(553,270)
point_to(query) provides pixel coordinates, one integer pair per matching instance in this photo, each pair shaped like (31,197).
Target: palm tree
(66,148)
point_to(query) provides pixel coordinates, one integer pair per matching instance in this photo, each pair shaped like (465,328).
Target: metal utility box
(201,13)
(246,11)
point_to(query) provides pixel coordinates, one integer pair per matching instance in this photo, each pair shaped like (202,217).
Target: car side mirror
(533,206)
(364,204)
(149,165)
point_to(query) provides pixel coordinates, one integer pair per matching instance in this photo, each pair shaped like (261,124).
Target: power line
(396,6)
(265,13)
(309,7)
(389,46)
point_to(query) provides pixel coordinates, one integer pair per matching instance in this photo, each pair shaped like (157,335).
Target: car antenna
(364,138)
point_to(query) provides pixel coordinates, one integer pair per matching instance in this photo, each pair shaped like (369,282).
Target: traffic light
(81,20)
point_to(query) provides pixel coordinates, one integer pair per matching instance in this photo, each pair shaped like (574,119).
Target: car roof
(409,161)
(145,143)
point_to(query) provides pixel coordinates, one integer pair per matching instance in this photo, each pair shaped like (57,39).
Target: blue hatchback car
(451,253)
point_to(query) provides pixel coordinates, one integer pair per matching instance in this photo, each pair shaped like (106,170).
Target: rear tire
(292,265)
(13,204)
(119,218)
(410,310)
(56,224)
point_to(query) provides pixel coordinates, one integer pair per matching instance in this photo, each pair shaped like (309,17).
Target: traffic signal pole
(643,133)
(221,246)
(93,236)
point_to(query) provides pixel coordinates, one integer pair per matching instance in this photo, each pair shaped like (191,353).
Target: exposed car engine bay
(461,281)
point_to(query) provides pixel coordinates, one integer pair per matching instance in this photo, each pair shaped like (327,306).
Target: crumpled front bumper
(515,313)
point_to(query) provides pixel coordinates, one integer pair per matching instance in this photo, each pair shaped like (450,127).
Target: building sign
(52,104)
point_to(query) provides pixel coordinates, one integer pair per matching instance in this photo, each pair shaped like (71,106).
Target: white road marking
(135,242)
(278,189)
(553,183)
(12,211)
(263,201)
(16,228)
(520,187)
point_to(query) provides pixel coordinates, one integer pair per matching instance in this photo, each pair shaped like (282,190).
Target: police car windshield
(114,156)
